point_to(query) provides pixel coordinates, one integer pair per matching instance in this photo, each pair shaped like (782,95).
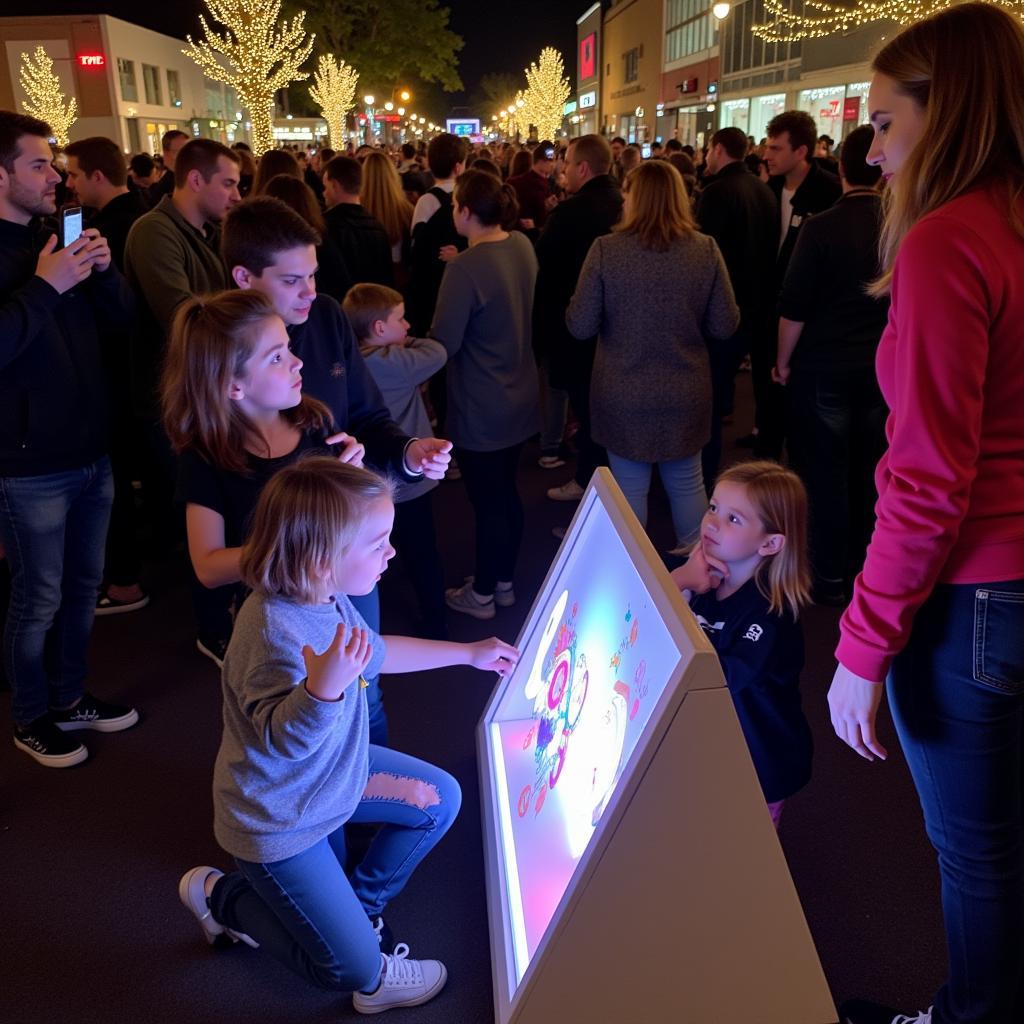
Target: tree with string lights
(45,97)
(816,18)
(263,55)
(334,91)
(547,89)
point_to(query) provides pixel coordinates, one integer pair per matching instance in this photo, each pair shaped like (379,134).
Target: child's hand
(700,573)
(447,253)
(429,456)
(493,655)
(328,675)
(351,452)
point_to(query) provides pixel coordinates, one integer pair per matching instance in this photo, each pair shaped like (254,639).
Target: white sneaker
(466,599)
(192,893)
(403,982)
(504,593)
(569,491)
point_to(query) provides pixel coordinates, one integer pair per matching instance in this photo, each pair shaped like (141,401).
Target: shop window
(633,65)
(126,76)
(134,142)
(173,88)
(151,83)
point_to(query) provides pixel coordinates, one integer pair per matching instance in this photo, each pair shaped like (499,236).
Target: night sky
(498,37)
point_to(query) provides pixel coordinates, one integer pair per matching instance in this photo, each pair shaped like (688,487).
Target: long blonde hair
(382,196)
(780,501)
(659,208)
(964,68)
(305,519)
(211,340)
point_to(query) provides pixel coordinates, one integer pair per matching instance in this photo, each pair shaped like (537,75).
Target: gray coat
(655,314)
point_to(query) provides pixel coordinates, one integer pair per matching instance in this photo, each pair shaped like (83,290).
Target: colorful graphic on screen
(588,57)
(569,720)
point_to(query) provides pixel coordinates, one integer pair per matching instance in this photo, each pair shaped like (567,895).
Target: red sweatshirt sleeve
(931,368)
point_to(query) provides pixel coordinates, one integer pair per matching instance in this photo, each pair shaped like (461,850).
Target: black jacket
(164,186)
(817,192)
(740,213)
(426,268)
(561,249)
(115,220)
(362,242)
(53,398)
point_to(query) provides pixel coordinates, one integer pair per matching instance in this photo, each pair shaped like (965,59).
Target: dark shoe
(44,742)
(107,605)
(746,441)
(95,714)
(863,1011)
(213,649)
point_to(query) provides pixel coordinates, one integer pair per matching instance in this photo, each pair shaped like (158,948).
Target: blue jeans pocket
(999,639)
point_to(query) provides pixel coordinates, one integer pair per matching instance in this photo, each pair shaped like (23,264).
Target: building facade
(586,119)
(631,79)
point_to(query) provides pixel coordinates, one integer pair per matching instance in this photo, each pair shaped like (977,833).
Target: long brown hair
(964,68)
(659,208)
(306,518)
(211,340)
(382,196)
(299,197)
(780,501)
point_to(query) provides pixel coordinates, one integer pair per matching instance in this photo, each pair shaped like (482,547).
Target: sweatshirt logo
(754,632)
(709,627)
(337,370)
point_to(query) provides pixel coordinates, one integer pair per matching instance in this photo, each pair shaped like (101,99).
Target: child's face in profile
(731,529)
(361,566)
(271,381)
(392,331)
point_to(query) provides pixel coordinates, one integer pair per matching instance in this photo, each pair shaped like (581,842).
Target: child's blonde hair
(306,518)
(367,303)
(212,338)
(780,501)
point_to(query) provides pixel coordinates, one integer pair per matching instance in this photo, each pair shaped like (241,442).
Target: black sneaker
(863,1011)
(384,936)
(44,742)
(92,713)
(213,649)
(107,605)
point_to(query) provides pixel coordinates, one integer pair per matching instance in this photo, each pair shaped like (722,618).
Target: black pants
(415,540)
(573,375)
(492,485)
(128,463)
(726,357)
(836,437)
(769,397)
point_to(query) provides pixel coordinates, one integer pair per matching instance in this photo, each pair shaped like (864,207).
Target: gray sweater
(291,769)
(655,314)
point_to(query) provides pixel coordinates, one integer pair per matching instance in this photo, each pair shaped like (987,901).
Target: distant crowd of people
(276,361)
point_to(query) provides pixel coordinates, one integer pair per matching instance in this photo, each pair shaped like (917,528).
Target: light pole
(369,101)
(719,11)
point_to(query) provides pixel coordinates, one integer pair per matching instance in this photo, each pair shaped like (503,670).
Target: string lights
(813,19)
(263,55)
(547,89)
(45,98)
(334,91)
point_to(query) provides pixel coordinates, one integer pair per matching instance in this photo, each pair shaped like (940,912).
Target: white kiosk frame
(681,909)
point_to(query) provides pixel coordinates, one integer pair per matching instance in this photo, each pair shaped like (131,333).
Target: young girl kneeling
(295,763)
(746,580)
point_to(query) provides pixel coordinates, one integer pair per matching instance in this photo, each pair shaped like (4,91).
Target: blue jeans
(957,697)
(368,605)
(54,529)
(307,914)
(683,480)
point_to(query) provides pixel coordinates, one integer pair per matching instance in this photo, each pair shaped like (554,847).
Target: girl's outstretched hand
(328,675)
(701,573)
(493,655)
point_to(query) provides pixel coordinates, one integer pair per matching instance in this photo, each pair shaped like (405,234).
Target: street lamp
(405,95)
(389,105)
(721,11)
(368,100)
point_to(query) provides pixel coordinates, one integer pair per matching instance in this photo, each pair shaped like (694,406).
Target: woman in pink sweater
(938,611)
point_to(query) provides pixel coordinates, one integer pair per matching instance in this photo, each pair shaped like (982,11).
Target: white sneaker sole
(102,724)
(120,609)
(392,1004)
(477,611)
(192,893)
(502,598)
(68,760)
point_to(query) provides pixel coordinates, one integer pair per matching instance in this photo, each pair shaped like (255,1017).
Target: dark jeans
(836,437)
(588,454)
(123,559)
(769,397)
(492,486)
(368,605)
(957,697)
(726,357)
(53,529)
(307,914)
(415,540)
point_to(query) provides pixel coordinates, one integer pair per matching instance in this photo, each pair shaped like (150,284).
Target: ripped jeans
(305,912)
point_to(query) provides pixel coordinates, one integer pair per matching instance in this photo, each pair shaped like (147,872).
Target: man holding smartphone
(55,479)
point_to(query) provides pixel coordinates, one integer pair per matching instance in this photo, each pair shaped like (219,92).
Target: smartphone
(70,225)
(645,151)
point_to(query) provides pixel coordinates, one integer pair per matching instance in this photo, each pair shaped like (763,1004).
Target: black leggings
(490,479)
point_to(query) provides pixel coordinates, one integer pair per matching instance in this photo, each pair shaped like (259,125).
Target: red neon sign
(92,60)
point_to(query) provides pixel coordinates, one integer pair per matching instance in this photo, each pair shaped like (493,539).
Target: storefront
(586,122)
(632,67)
(586,118)
(752,114)
(836,109)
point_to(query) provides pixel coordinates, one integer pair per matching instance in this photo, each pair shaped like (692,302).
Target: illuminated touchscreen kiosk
(632,870)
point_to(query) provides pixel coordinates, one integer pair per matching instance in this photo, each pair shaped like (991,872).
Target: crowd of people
(276,361)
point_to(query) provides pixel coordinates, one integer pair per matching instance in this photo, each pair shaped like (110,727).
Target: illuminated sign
(463,126)
(588,57)
(92,60)
(588,99)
